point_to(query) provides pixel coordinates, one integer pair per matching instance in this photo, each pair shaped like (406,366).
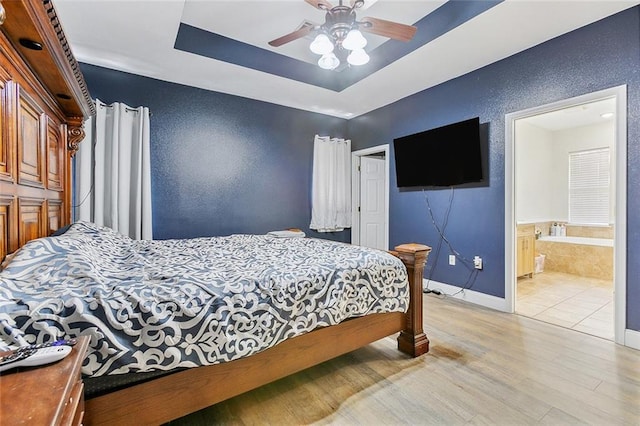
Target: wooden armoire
(43,104)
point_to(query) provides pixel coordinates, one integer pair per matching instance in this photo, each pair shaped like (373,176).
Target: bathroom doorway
(562,242)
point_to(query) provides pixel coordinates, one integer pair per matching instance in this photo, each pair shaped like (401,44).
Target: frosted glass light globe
(329,61)
(354,40)
(358,57)
(321,45)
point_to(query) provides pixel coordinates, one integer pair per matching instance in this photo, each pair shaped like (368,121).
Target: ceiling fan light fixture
(321,45)
(358,57)
(329,61)
(339,39)
(354,40)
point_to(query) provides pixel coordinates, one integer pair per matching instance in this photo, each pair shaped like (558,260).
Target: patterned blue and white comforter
(160,305)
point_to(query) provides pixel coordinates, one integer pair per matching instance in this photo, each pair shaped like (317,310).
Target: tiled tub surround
(587,251)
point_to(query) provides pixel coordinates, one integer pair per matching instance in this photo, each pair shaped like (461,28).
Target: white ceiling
(576,116)
(138,36)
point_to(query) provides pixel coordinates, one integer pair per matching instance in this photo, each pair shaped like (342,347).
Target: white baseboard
(471,296)
(632,339)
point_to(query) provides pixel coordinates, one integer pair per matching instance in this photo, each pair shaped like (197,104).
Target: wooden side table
(47,395)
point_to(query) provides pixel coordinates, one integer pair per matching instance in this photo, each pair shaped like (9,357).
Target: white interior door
(372,202)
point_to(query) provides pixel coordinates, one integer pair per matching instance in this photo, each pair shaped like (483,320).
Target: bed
(163,305)
(240,310)
(44,101)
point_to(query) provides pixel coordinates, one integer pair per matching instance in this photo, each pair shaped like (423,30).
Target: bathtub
(602,242)
(583,256)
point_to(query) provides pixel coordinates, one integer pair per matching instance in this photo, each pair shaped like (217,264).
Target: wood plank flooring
(485,367)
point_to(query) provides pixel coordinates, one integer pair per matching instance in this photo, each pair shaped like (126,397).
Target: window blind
(589,186)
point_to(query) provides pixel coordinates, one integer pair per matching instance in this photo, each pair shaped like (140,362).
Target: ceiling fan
(339,37)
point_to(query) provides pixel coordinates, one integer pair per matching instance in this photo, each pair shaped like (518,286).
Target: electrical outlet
(477,262)
(452,259)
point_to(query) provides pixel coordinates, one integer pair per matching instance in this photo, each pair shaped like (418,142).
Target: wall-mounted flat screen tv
(444,156)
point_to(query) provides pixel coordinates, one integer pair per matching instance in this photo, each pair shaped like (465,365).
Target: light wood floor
(485,367)
(579,303)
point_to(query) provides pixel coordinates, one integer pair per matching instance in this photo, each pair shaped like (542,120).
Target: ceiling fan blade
(389,29)
(320,4)
(305,29)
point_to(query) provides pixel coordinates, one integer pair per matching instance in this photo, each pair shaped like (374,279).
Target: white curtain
(331,190)
(113,174)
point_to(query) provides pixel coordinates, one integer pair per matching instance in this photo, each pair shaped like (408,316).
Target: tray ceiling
(222,45)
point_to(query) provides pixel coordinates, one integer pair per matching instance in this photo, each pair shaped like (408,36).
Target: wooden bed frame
(43,103)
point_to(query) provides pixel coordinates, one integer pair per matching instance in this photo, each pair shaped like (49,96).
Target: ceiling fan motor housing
(339,21)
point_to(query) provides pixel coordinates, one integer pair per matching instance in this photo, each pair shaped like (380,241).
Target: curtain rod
(126,108)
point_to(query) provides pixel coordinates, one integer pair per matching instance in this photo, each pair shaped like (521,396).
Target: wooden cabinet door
(529,255)
(521,254)
(31,147)
(525,250)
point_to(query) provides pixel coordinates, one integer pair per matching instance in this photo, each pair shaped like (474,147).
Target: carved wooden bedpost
(412,339)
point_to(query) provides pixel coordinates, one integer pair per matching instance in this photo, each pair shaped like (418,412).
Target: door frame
(355,191)
(618,93)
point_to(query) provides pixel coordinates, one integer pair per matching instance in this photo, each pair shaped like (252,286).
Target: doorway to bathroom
(566,201)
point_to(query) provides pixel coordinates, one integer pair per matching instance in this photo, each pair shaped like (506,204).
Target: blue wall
(599,56)
(221,164)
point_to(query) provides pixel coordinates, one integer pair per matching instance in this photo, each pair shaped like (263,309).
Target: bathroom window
(589,186)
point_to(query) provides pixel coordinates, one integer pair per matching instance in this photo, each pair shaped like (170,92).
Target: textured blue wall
(221,164)
(599,56)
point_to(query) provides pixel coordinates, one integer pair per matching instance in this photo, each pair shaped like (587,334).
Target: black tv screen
(444,156)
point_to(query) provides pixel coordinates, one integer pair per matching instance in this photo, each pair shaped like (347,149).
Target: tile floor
(580,303)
